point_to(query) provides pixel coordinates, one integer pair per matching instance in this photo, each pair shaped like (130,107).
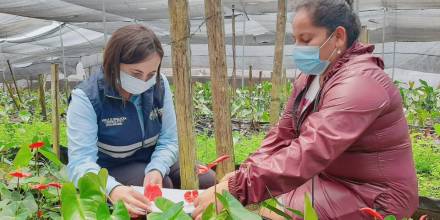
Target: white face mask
(134,85)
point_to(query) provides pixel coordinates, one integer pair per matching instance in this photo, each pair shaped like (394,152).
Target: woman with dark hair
(343,137)
(123,119)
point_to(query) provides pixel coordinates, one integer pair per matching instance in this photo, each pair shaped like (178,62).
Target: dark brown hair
(129,45)
(331,14)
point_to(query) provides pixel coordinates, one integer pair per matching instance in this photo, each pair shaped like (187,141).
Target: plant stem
(36,165)
(18,183)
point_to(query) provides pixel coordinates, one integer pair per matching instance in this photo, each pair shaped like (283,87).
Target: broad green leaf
(236,209)
(120,212)
(309,211)
(47,153)
(209,213)
(154,216)
(90,193)
(23,157)
(163,204)
(437,129)
(390,217)
(71,208)
(29,203)
(103,212)
(173,212)
(103,175)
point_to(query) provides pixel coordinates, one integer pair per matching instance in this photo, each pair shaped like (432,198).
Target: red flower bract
(36,145)
(55,185)
(152,192)
(202,169)
(20,175)
(372,213)
(39,213)
(423,217)
(190,196)
(217,161)
(40,187)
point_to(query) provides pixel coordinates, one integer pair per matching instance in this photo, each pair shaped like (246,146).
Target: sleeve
(347,110)
(166,152)
(82,131)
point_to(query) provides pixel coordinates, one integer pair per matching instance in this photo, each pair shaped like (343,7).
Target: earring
(339,52)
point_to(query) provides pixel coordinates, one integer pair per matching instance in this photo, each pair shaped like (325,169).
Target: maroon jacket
(356,143)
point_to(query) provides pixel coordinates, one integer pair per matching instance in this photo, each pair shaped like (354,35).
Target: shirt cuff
(157,166)
(111,184)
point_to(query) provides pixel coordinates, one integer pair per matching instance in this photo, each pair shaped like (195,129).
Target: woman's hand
(135,202)
(208,197)
(153,177)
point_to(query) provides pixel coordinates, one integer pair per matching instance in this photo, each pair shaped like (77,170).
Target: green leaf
(103,176)
(273,208)
(437,129)
(390,217)
(103,212)
(173,212)
(309,211)
(236,209)
(91,194)
(71,208)
(51,156)
(120,212)
(163,204)
(209,213)
(29,203)
(23,157)
(166,205)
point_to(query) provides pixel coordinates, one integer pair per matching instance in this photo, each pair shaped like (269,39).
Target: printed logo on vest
(109,122)
(156,113)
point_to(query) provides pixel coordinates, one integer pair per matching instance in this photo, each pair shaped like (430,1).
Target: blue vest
(120,138)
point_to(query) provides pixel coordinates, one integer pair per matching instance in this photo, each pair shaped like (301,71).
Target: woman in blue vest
(123,119)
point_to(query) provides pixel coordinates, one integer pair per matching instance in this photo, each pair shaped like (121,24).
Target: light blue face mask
(307,59)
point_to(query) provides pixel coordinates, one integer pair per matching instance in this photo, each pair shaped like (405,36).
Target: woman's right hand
(134,201)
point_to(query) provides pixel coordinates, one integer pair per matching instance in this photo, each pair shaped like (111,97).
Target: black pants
(134,174)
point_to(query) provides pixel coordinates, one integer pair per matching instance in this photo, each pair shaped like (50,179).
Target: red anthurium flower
(152,192)
(36,145)
(20,175)
(40,187)
(55,185)
(190,196)
(372,213)
(39,213)
(202,169)
(217,161)
(423,217)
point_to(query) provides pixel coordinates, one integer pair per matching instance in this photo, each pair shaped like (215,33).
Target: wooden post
(234,54)
(11,94)
(55,109)
(260,77)
(364,38)
(28,82)
(221,104)
(42,98)
(181,62)
(15,82)
(278,62)
(250,81)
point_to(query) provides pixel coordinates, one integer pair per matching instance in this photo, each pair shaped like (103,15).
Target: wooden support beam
(181,61)
(55,86)
(234,54)
(278,62)
(11,94)
(250,80)
(14,81)
(219,78)
(260,76)
(42,98)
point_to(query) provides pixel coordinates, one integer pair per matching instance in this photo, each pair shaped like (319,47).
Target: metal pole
(394,59)
(64,62)
(384,24)
(243,45)
(104,20)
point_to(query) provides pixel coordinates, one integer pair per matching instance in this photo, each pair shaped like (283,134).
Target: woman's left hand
(154,177)
(208,197)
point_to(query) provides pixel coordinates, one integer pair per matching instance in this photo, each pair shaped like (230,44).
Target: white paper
(175,195)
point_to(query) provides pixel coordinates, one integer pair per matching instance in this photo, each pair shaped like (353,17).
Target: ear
(341,37)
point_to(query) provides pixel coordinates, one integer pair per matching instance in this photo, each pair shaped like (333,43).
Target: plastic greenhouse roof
(30,29)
